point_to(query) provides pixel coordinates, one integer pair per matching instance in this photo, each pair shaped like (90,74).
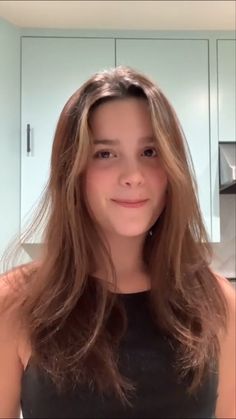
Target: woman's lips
(131,204)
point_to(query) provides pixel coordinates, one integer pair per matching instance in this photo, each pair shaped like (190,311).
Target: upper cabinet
(185,68)
(52,70)
(180,68)
(226,62)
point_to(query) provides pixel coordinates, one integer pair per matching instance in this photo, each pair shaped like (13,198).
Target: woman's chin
(130,233)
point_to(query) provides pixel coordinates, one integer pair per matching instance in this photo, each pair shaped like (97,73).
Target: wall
(9,132)
(224,261)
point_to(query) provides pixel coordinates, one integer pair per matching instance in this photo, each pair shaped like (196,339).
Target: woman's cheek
(97,179)
(158,178)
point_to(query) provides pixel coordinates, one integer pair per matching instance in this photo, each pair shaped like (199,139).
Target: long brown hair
(74,323)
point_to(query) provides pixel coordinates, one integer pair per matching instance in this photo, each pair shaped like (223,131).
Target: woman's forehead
(121,114)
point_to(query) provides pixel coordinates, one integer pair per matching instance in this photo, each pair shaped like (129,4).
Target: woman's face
(124,166)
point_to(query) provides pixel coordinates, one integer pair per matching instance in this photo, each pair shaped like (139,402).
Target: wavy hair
(74,323)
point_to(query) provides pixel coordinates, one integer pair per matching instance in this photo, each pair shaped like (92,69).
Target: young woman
(121,315)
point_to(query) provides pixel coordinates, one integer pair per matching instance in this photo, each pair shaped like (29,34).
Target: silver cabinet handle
(28,139)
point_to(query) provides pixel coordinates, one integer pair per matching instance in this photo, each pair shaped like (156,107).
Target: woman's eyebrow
(147,139)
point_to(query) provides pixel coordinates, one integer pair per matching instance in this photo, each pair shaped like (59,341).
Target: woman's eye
(148,150)
(105,154)
(102,155)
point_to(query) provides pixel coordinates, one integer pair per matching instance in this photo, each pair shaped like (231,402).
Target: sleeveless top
(146,357)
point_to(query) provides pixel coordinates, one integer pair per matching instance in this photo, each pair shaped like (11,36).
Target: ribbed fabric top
(147,358)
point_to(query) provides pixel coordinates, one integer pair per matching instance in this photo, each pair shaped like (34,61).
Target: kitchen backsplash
(224,261)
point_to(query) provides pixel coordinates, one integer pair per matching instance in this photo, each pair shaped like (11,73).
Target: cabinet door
(180,68)
(52,69)
(226,59)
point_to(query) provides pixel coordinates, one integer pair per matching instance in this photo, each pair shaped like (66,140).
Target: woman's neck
(127,257)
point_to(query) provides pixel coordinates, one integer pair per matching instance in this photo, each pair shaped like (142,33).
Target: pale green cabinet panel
(180,68)
(226,62)
(52,69)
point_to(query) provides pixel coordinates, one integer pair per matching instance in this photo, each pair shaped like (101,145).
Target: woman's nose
(132,174)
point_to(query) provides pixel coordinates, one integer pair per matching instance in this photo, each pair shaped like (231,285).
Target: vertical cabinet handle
(28,139)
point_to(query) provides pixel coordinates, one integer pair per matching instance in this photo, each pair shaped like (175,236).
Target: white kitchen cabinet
(226,89)
(185,69)
(52,69)
(180,68)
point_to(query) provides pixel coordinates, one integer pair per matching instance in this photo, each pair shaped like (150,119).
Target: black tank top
(147,358)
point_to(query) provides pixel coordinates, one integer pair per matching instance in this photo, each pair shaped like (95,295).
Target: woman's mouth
(130,204)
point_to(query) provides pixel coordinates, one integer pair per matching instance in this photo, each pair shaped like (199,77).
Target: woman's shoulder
(11,291)
(11,336)
(224,282)
(12,323)
(15,286)
(11,284)
(229,292)
(16,279)
(227,362)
